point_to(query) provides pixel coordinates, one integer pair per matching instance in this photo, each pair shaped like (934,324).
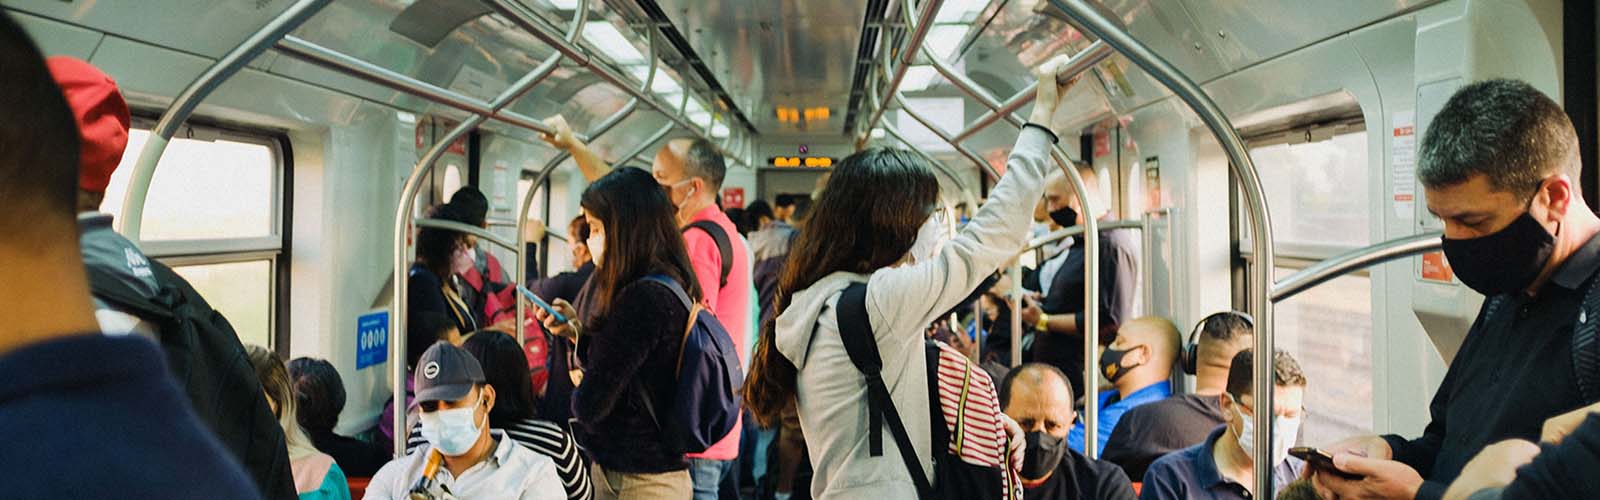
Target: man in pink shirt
(691,171)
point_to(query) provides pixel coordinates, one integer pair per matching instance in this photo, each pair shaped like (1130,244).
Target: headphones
(1190,356)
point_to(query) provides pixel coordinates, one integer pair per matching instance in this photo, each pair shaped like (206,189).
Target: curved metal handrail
(919,32)
(1354,260)
(481,233)
(1243,167)
(1069,231)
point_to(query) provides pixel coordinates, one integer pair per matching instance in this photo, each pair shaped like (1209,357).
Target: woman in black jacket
(430,287)
(628,336)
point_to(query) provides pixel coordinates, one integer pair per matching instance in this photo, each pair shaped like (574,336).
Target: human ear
(1558,195)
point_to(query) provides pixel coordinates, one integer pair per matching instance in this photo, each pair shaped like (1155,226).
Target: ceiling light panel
(609,41)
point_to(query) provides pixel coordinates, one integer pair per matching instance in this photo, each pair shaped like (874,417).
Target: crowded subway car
(772,250)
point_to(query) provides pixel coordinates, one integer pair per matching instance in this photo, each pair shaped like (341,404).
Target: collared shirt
(1112,406)
(1054,256)
(1191,473)
(511,471)
(1514,371)
(730,303)
(1119,282)
(1149,432)
(1077,476)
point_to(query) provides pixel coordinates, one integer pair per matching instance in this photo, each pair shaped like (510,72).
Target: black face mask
(1111,363)
(1042,454)
(1504,262)
(1064,216)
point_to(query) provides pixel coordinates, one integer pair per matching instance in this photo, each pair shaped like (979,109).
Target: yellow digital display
(802,161)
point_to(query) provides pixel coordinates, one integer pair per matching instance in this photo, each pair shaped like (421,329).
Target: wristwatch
(1044,323)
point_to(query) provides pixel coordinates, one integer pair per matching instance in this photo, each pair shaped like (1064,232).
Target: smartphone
(1321,460)
(542,304)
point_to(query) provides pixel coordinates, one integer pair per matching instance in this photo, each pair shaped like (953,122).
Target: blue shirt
(1191,473)
(92,416)
(1111,410)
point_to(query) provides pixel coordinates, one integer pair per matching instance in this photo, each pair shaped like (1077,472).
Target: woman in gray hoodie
(875,223)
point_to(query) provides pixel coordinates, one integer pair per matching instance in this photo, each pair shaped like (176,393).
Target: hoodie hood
(797,324)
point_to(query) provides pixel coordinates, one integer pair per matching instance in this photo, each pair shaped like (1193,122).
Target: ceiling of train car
(769,54)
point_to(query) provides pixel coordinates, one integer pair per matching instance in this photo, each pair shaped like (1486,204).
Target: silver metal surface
(648,141)
(1016,313)
(1076,65)
(144,170)
(894,132)
(1254,201)
(1069,231)
(1354,260)
(965,151)
(919,32)
(481,233)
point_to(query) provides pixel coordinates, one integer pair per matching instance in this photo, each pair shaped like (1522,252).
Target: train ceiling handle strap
(855,330)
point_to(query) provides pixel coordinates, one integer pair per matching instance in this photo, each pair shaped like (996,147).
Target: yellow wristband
(1044,322)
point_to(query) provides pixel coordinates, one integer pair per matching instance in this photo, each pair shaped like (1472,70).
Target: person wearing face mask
(1500,166)
(1139,366)
(1223,467)
(474,460)
(1058,316)
(1037,397)
(441,253)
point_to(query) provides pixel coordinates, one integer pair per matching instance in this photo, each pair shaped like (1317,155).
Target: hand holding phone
(1322,461)
(560,318)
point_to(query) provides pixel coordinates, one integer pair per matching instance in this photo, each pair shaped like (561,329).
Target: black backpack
(723,245)
(956,478)
(209,362)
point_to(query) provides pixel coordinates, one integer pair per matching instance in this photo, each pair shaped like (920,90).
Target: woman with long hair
(441,254)
(316,476)
(875,223)
(628,335)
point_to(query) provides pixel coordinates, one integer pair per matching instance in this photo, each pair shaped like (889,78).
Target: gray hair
(1505,130)
(702,160)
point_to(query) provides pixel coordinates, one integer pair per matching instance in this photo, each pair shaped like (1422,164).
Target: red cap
(102,118)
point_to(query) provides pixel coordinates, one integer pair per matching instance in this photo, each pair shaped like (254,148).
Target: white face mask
(462,260)
(597,247)
(453,431)
(1288,431)
(931,238)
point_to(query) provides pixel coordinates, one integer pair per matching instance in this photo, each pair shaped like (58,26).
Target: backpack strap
(855,330)
(1585,347)
(113,292)
(723,245)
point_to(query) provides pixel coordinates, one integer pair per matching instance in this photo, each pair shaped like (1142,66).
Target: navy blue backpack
(706,401)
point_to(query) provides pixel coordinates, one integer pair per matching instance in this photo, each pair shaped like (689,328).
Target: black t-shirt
(1152,430)
(1119,277)
(1513,371)
(1078,477)
(1566,470)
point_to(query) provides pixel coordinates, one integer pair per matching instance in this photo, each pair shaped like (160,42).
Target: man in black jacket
(1037,397)
(209,361)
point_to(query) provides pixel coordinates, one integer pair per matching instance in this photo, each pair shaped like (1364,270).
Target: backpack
(208,361)
(967,465)
(705,400)
(1585,340)
(723,246)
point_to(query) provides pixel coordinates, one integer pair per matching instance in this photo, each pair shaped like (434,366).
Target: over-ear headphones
(1190,356)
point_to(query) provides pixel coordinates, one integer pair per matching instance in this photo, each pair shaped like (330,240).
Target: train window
(214,213)
(1315,181)
(452,180)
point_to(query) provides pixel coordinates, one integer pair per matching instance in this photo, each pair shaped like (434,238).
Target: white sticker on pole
(1403,163)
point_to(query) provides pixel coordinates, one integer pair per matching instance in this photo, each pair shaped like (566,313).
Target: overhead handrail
(144,170)
(1083,61)
(405,212)
(919,32)
(481,233)
(1354,260)
(894,132)
(1088,18)
(1069,231)
(967,152)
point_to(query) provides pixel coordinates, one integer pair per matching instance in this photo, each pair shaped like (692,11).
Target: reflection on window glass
(1328,329)
(452,181)
(202,189)
(241,291)
(1317,191)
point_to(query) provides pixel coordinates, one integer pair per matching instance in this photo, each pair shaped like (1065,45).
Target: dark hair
(579,227)
(784,200)
(506,368)
(641,238)
(702,160)
(318,393)
(757,210)
(1300,489)
(1504,129)
(426,327)
(471,205)
(736,216)
(435,245)
(1285,372)
(38,147)
(1011,377)
(867,219)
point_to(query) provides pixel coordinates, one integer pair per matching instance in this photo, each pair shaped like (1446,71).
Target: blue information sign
(372,339)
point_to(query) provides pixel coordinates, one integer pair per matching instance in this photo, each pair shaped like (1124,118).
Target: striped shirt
(545,438)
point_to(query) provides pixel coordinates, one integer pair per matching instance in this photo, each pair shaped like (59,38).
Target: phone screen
(1321,460)
(542,304)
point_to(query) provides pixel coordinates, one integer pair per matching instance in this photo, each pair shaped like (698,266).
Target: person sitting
(82,415)
(505,369)
(316,475)
(1036,395)
(1156,429)
(319,397)
(464,458)
(1139,364)
(425,329)
(1223,467)
(1300,489)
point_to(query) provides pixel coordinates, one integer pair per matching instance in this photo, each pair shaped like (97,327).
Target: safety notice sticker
(1403,163)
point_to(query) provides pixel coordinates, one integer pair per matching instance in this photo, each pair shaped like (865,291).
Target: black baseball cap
(446,373)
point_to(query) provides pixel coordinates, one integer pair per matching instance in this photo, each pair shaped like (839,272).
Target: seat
(358,487)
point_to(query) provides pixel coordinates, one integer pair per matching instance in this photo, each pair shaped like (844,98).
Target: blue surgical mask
(453,431)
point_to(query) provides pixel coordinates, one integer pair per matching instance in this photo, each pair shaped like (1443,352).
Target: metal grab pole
(1243,168)
(1065,232)
(144,169)
(481,233)
(1016,312)
(404,214)
(1078,63)
(939,166)
(1360,258)
(987,169)
(919,32)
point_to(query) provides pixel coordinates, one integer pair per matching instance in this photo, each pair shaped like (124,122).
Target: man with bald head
(1058,318)
(1139,366)
(1036,396)
(691,172)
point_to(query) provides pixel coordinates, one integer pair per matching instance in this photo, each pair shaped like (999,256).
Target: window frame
(274,247)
